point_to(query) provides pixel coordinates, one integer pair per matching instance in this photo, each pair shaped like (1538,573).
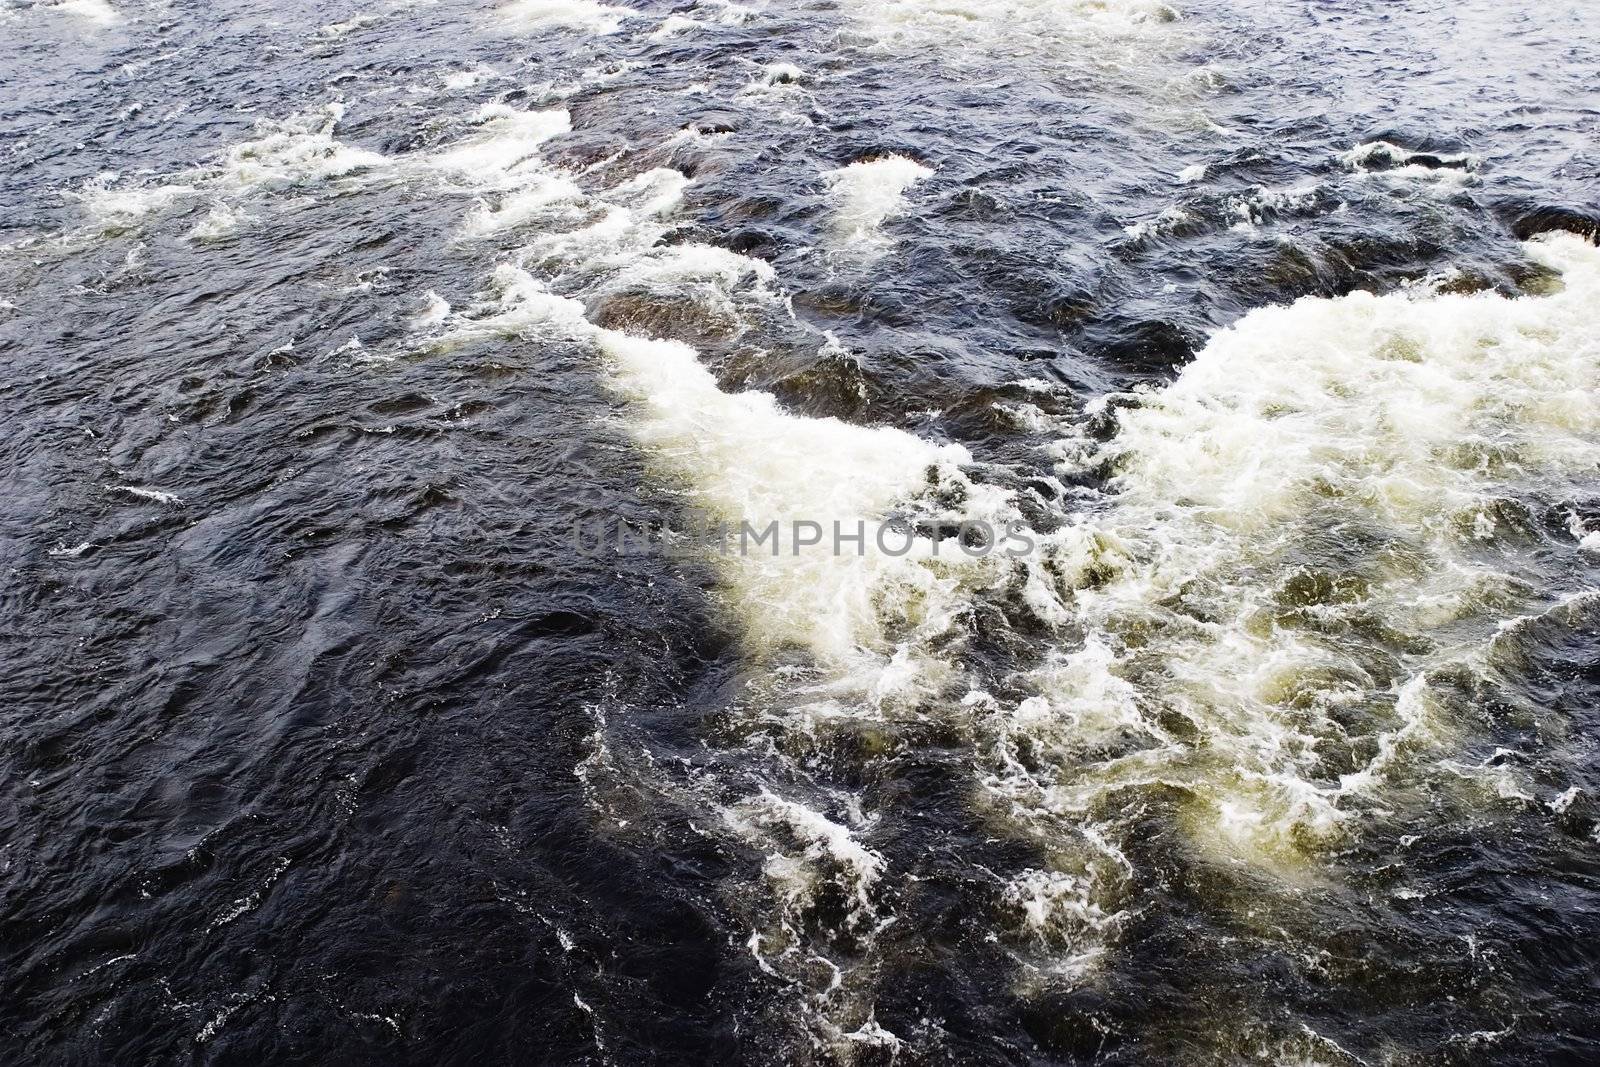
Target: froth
(977,22)
(497,155)
(1318,468)
(866,194)
(519,206)
(821,470)
(116,208)
(503,144)
(299,149)
(1300,534)
(98,12)
(1386,156)
(564,14)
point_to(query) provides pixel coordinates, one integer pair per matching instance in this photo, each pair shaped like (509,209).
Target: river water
(1213,390)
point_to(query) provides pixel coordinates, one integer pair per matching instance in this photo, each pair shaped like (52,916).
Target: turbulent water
(1212,391)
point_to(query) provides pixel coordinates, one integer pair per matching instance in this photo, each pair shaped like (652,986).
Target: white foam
(651,194)
(1384,160)
(740,457)
(516,305)
(115,208)
(744,458)
(220,222)
(820,843)
(537,196)
(708,16)
(674,26)
(987,23)
(873,1035)
(1588,540)
(497,155)
(98,12)
(866,194)
(157,496)
(586,15)
(811,858)
(336,30)
(1562,802)
(466,79)
(782,74)
(781,87)
(435,311)
(503,144)
(1371,155)
(680,265)
(1261,204)
(1378,415)
(1060,909)
(300,149)
(726,12)
(1169,219)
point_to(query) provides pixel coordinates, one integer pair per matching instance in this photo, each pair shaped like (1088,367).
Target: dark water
(332,744)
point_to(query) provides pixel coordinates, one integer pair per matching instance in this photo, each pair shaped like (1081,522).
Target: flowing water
(1213,394)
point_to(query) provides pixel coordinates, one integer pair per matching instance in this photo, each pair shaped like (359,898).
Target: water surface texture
(340,339)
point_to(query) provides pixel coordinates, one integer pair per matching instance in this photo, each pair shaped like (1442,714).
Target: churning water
(352,351)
